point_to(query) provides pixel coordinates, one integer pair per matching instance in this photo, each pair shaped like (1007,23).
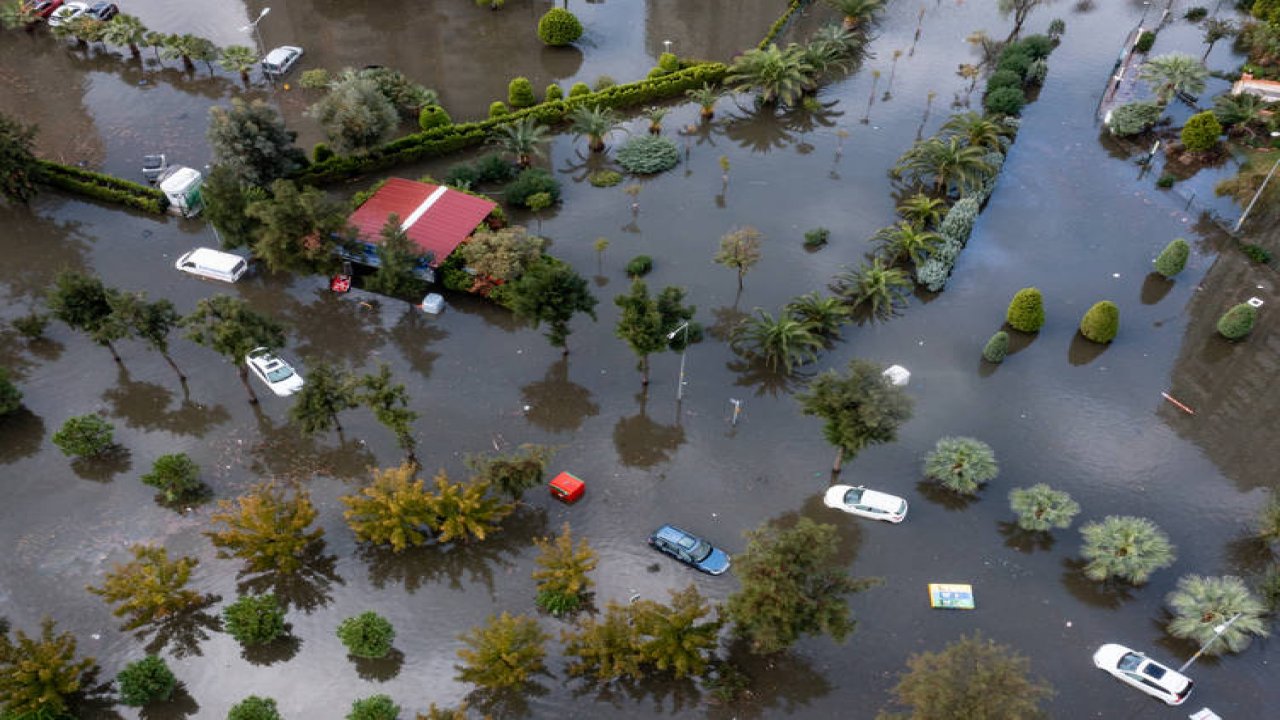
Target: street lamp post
(1217,633)
(684,327)
(257,36)
(1263,186)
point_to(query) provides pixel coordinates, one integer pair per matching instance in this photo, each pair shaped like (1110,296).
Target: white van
(213,264)
(278,61)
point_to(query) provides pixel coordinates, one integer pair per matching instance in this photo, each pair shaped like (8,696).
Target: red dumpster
(567,488)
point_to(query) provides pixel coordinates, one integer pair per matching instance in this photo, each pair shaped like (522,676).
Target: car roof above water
(673,534)
(215,259)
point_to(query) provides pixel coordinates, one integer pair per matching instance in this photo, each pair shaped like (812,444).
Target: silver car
(278,375)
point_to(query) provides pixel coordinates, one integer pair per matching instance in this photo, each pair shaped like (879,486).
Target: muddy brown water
(1068,216)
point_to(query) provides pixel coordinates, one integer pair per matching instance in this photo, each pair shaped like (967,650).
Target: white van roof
(215,259)
(179,179)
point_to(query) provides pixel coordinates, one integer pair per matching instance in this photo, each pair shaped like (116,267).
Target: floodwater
(1070,215)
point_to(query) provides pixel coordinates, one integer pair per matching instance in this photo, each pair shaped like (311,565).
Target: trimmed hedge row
(451,138)
(99,186)
(781,23)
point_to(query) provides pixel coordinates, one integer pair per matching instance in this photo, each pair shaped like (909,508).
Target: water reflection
(333,328)
(555,403)
(179,706)
(935,493)
(1084,351)
(1108,595)
(414,334)
(510,703)
(778,686)
(147,406)
(282,649)
(1025,541)
(308,589)
(46,247)
(765,381)
(643,443)
(183,632)
(760,131)
(282,451)
(103,466)
(1154,288)
(667,694)
(379,669)
(21,434)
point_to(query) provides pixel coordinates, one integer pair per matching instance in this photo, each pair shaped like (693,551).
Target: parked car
(278,61)
(690,549)
(212,264)
(278,375)
(103,11)
(68,12)
(1140,671)
(866,503)
(44,8)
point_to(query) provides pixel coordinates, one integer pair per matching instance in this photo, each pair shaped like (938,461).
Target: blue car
(690,549)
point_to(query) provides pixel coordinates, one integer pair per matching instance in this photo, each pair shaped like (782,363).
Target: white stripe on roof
(421,210)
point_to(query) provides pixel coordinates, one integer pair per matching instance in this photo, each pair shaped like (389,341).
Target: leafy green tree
(10,395)
(375,707)
(594,122)
(367,635)
(951,164)
(355,115)
(266,528)
(84,304)
(973,677)
(563,584)
(905,241)
(406,96)
(604,649)
(1173,74)
(857,14)
(145,681)
(151,322)
(254,708)
(398,259)
(238,59)
(390,405)
(149,588)
(251,140)
(395,509)
(254,619)
(505,652)
(177,476)
(228,327)
(328,391)
(1040,508)
(559,27)
(501,254)
(552,293)
(85,436)
(823,315)
(783,342)
(40,675)
(1200,604)
(1125,548)
(18,168)
(791,587)
(513,473)
(996,348)
(1134,118)
(922,211)
(465,510)
(961,464)
(1237,322)
(740,250)
(646,323)
(777,76)
(523,139)
(858,408)
(1201,132)
(1026,310)
(227,200)
(1101,322)
(674,638)
(875,286)
(299,229)
(1173,258)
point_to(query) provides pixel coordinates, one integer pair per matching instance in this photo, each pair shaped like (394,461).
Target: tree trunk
(740,274)
(1207,50)
(133,49)
(644,370)
(186,63)
(336,424)
(835,467)
(244,77)
(175,367)
(114,354)
(244,378)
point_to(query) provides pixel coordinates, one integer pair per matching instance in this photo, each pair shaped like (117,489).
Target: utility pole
(1217,633)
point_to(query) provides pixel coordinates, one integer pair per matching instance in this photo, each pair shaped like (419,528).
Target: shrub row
(781,23)
(100,186)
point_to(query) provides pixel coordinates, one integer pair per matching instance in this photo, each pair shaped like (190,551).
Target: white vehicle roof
(280,54)
(214,259)
(881,501)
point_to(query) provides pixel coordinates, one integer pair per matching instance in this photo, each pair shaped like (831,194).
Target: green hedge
(781,23)
(99,186)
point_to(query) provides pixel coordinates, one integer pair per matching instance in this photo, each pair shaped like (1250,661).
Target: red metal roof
(438,230)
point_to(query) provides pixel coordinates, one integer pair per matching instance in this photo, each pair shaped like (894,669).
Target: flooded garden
(1073,213)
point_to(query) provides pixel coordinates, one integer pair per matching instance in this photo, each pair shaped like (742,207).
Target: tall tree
(300,229)
(1174,73)
(355,115)
(398,259)
(604,648)
(238,59)
(328,391)
(646,323)
(674,638)
(40,675)
(505,652)
(552,293)
(266,527)
(858,408)
(390,405)
(781,343)
(152,322)
(791,587)
(394,509)
(226,205)
(465,510)
(1019,9)
(1216,29)
(563,583)
(740,251)
(149,588)
(228,327)
(973,677)
(126,30)
(85,304)
(251,140)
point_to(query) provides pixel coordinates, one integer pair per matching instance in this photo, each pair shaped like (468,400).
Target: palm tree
(1200,604)
(836,38)
(778,76)
(706,97)
(824,56)
(204,50)
(1216,29)
(654,115)
(126,31)
(923,211)
(976,130)
(1243,112)
(961,464)
(951,164)
(155,40)
(180,47)
(523,139)
(1174,74)
(823,314)
(905,241)
(857,13)
(238,59)
(595,122)
(784,342)
(1041,508)
(1126,548)
(874,285)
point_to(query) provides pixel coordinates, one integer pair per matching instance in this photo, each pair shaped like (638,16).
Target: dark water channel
(1068,216)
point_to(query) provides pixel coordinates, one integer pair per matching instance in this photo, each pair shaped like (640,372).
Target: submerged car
(44,8)
(68,12)
(103,11)
(278,375)
(1140,671)
(279,60)
(866,503)
(690,549)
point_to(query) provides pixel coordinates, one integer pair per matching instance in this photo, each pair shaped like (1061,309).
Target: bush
(639,266)
(494,168)
(603,82)
(816,238)
(146,681)
(1005,101)
(1237,322)
(520,93)
(1173,258)
(957,224)
(668,62)
(559,27)
(1256,253)
(367,635)
(10,395)
(1015,59)
(531,182)
(102,187)
(1196,14)
(579,89)
(1026,310)
(1134,118)
(1101,322)
(175,475)
(553,92)
(1145,41)
(648,154)
(996,348)
(32,325)
(84,436)
(462,175)
(1037,72)
(1201,132)
(1004,78)
(254,619)
(254,708)
(315,79)
(321,152)
(433,116)
(604,178)
(498,109)
(934,271)
(1036,47)
(1166,181)
(377,707)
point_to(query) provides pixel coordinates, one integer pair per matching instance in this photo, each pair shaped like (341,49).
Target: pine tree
(40,675)
(673,638)
(395,509)
(464,511)
(505,652)
(563,584)
(328,391)
(266,528)
(606,648)
(146,681)
(254,619)
(149,588)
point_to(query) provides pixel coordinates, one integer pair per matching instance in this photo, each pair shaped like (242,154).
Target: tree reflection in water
(643,443)
(308,589)
(182,632)
(556,404)
(1108,595)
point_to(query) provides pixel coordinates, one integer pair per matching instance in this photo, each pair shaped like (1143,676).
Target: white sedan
(278,375)
(67,13)
(866,503)
(1140,671)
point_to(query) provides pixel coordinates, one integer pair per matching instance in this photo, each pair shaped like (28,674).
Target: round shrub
(553,93)
(1037,71)
(1101,322)
(497,109)
(1005,101)
(961,464)
(996,348)
(494,168)
(146,681)
(1026,310)
(816,238)
(648,154)
(579,88)
(559,27)
(254,619)
(520,93)
(1003,78)
(668,62)
(254,708)
(1014,59)
(367,635)
(175,475)
(603,82)
(1196,14)
(1166,181)
(1173,258)
(378,707)
(604,178)
(1134,118)
(1145,41)
(639,266)
(433,116)
(321,152)
(1037,47)
(84,436)
(1201,132)
(531,182)
(1238,321)
(315,79)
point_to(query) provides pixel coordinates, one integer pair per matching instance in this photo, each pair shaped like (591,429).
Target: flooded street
(1069,215)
